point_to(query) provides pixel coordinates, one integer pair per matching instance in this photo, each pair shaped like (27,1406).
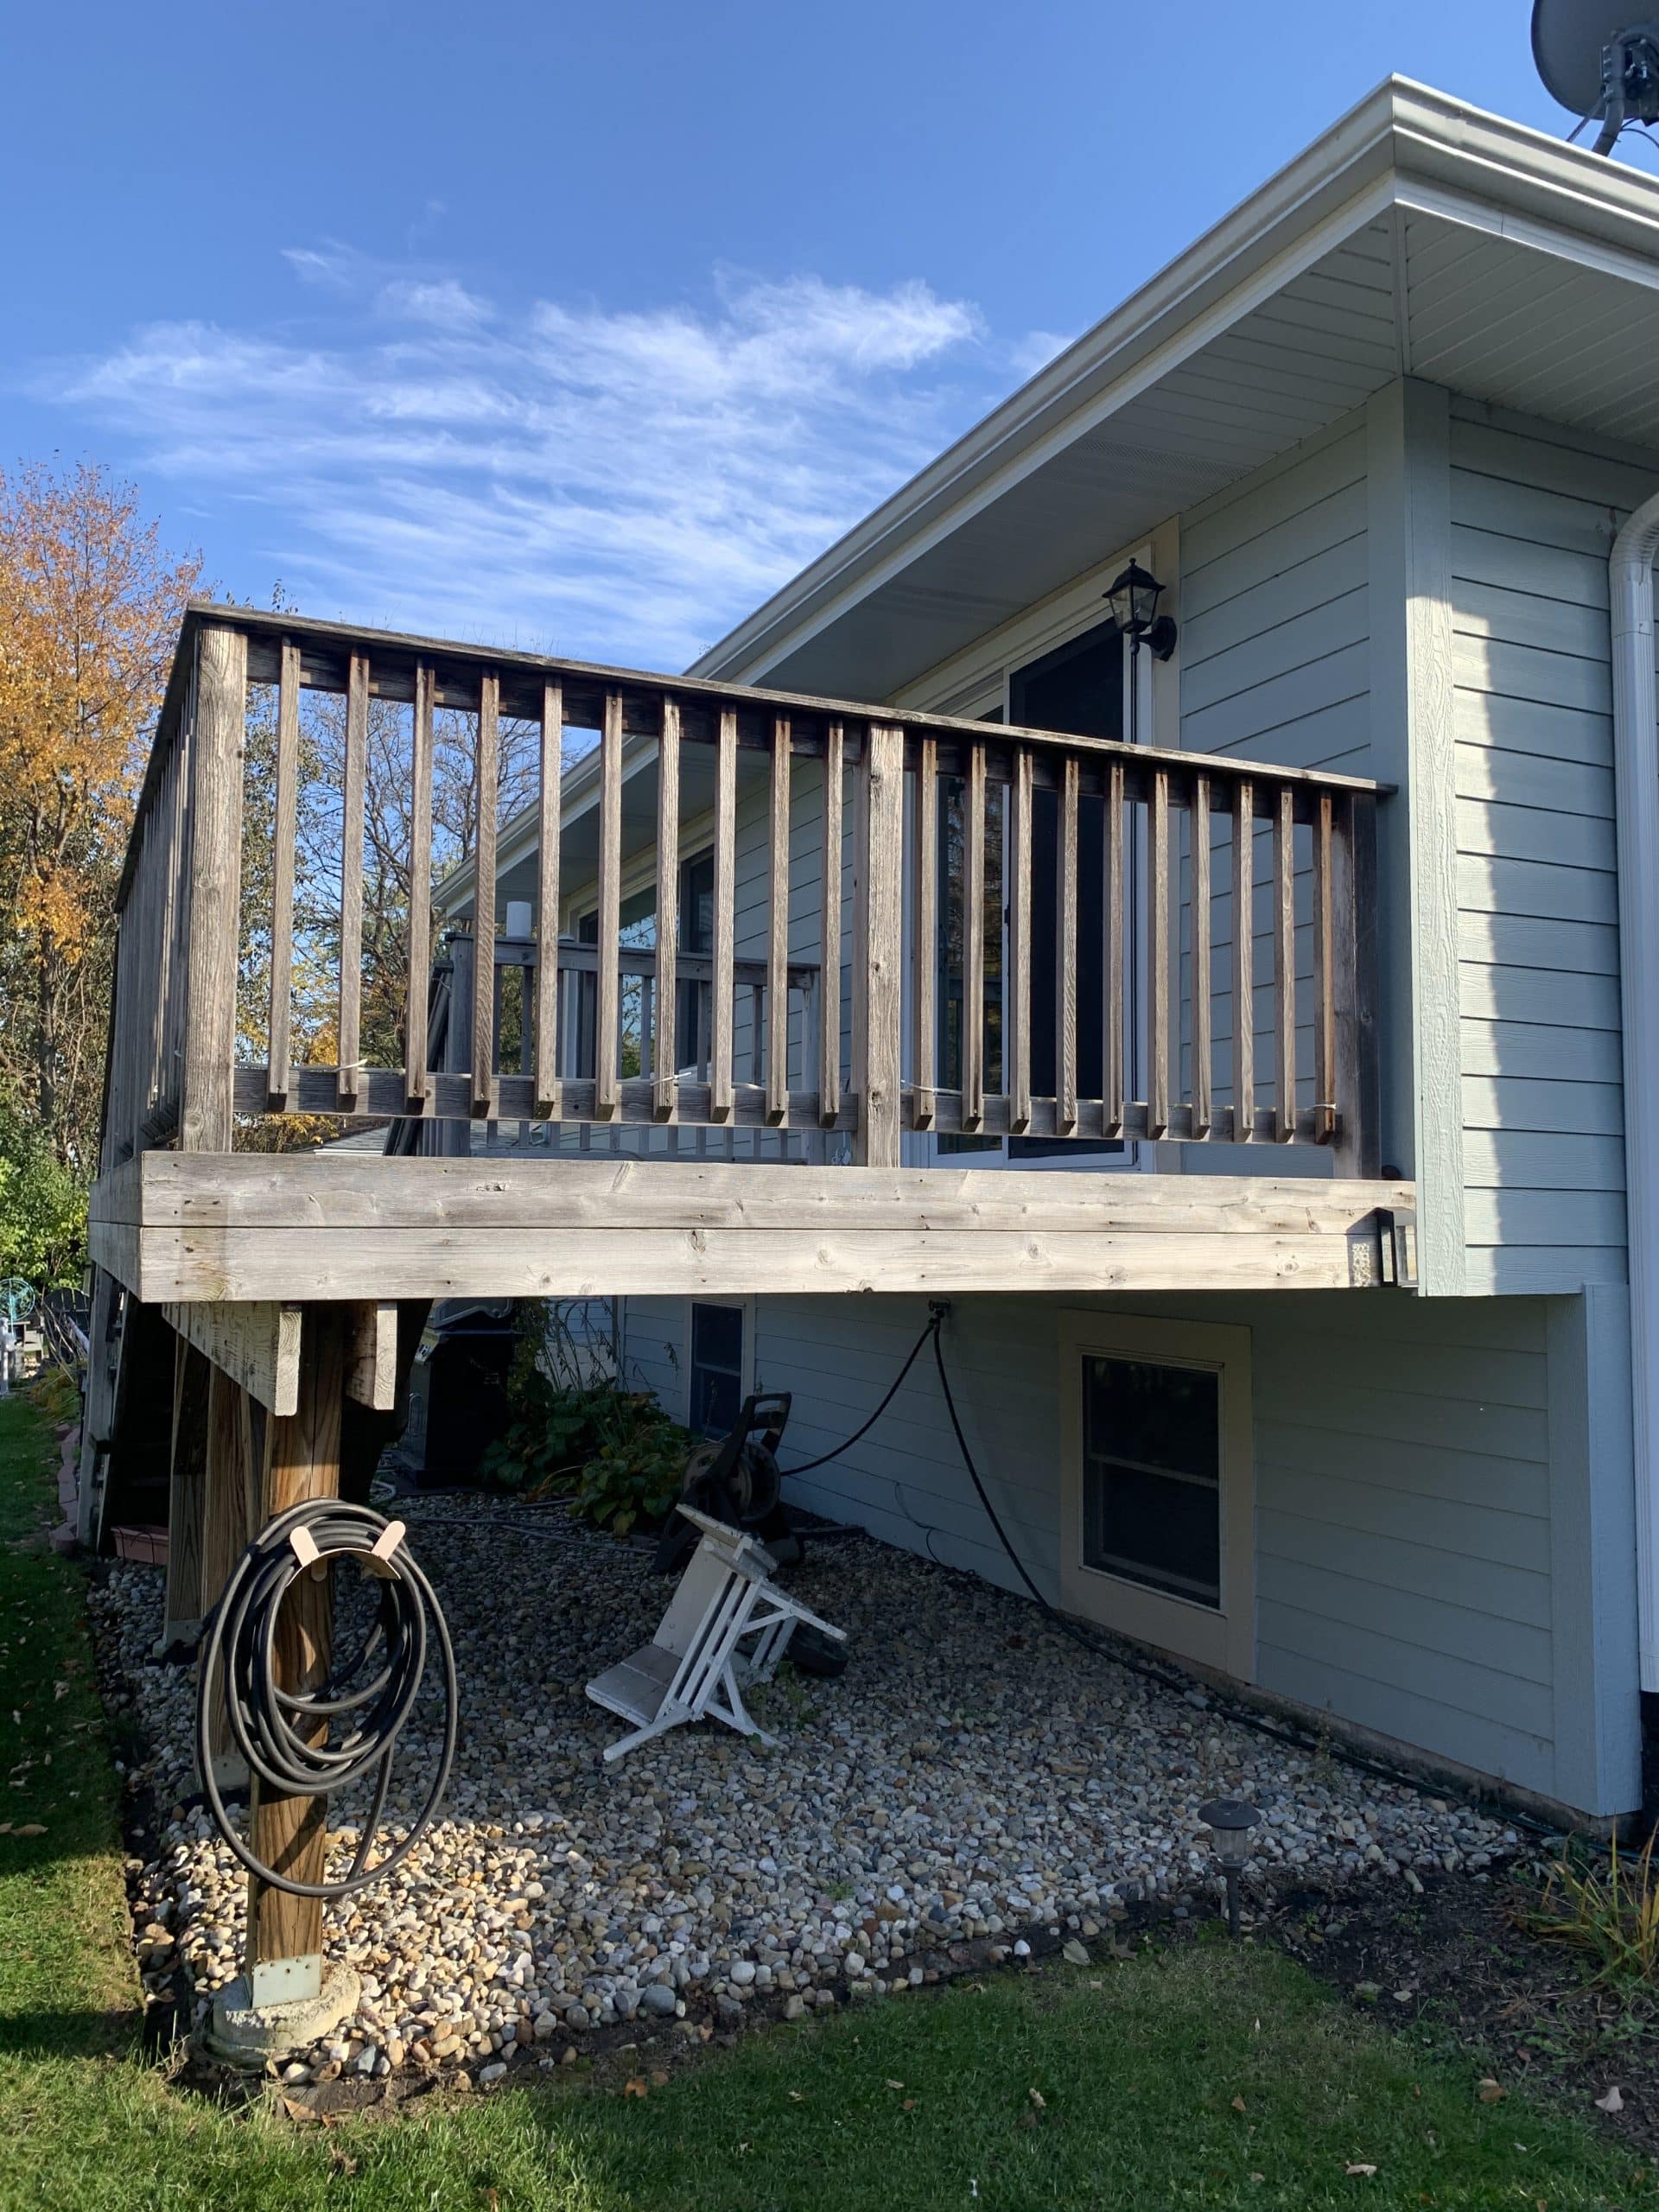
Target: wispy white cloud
(1036,350)
(618,483)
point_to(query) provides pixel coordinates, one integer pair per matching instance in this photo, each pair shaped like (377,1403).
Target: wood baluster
(776,1059)
(607,987)
(878,953)
(829,994)
(1113,887)
(418,980)
(1284,965)
(350,881)
(1066,953)
(757,1024)
(1017,1034)
(1243,963)
(285,836)
(973,941)
(665,1094)
(489,760)
(924,932)
(550,831)
(725,918)
(1324,1012)
(1158,955)
(1203,1085)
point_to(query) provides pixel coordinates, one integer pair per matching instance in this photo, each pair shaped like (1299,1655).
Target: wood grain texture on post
(289,1834)
(220,739)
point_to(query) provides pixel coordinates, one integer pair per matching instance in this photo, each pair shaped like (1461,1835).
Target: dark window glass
(716,1367)
(697,935)
(1078,688)
(1152,1475)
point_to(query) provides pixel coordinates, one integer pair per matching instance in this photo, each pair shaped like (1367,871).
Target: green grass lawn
(1195,2075)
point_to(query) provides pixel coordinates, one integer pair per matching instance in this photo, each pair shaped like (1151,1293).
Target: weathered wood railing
(1079,902)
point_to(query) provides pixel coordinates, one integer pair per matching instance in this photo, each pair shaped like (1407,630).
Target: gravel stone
(933,1794)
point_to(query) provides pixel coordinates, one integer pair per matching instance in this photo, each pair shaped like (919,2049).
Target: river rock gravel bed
(974,1784)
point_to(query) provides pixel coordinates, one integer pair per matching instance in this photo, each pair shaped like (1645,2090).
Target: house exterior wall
(1445,1534)
(1534,511)
(1443,1555)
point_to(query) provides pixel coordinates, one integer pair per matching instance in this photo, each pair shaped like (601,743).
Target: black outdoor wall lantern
(1132,604)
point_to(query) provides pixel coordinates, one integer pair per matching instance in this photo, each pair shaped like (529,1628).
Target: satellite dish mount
(1598,63)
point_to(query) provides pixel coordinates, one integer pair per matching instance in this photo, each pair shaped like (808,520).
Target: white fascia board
(1396,145)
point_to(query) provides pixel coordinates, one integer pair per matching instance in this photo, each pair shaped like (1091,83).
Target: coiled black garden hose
(272,1727)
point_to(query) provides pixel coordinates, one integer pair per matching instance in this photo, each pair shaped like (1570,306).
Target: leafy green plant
(579,1434)
(1610,1912)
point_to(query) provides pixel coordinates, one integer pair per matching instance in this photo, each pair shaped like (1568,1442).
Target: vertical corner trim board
(1411,621)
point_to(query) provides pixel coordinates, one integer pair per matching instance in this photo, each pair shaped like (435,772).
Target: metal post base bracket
(238,2033)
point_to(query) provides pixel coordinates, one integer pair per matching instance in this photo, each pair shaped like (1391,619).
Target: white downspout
(1636,778)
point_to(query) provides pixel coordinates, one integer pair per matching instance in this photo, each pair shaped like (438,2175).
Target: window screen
(1152,1475)
(716,1367)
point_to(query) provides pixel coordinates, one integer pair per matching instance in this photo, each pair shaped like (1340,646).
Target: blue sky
(582,329)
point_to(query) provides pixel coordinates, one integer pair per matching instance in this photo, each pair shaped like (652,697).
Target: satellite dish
(1599,57)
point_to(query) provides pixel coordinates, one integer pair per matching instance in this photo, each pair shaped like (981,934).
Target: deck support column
(235,1448)
(187,1505)
(289,1834)
(284,1999)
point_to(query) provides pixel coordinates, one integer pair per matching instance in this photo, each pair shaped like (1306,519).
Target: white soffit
(1419,236)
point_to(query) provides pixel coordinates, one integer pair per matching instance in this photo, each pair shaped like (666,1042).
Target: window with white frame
(1157,1522)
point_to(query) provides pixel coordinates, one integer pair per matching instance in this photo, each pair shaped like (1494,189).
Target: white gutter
(1636,772)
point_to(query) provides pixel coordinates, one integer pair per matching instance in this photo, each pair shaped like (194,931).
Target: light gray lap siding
(1423,1496)
(1533,513)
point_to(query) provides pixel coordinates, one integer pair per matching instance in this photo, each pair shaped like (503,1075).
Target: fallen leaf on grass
(341,2162)
(635,2086)
(1239,2104)
(1039,2099)
(909,2105)
(295,2110)
(29,1827)
(1491,2092)
(1611,2102)
(1359,2168)
(894,2085)
(659,2077)
(794,2096)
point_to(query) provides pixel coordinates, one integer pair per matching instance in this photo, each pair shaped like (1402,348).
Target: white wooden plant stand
(728,1623)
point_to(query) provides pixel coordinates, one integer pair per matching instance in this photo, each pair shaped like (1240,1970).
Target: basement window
(1157,1505)
(714,1369)
(1152,1476)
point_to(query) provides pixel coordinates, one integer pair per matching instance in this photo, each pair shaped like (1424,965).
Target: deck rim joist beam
(243,1227)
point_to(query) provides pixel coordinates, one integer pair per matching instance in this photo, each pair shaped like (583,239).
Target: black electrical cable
(316,1743)
(847,1444)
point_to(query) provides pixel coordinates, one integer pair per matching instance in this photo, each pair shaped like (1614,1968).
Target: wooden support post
(665,1094)
(1016,1050)
(416,1042)
(354,796)
(220,739)
(829,996)
(484,984)
(187,1507)
(547,903)
(238,1429)
(285,1957)
(878,958)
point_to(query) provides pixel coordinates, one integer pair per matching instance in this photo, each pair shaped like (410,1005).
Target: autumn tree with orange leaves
(90,604)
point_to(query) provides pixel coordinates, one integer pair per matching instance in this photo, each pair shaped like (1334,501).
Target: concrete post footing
(241,2034)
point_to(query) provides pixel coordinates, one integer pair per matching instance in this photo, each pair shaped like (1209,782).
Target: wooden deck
(256,1312)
